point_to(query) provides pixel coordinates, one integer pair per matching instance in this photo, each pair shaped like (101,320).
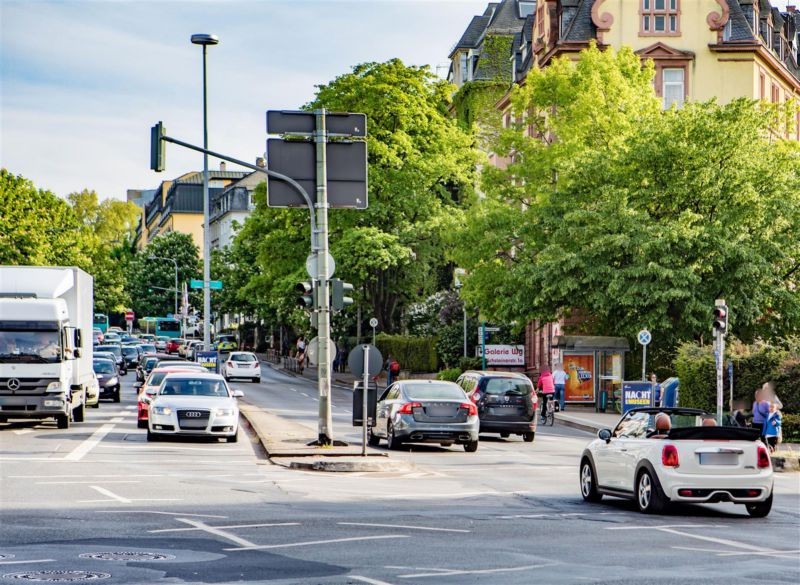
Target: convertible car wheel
(649,497)
(760,509)
(588,483)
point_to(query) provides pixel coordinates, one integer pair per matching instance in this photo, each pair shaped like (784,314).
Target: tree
(37,227)
(151,282)
(421,169)
(632,216)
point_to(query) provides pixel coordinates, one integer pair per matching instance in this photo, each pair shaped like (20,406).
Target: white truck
(45,342)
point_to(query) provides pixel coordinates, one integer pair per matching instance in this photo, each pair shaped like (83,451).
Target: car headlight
(162,410)
(54,386)
(224,412)
(113,381)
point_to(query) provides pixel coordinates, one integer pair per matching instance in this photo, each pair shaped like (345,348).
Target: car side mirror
(238,394)
(604,434)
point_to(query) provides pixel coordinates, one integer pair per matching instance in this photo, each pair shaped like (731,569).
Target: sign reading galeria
(504,355)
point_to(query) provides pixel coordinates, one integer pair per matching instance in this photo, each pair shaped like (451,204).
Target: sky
(82,82)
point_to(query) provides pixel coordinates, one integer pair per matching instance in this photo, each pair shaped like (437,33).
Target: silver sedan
(426,411)
(197,404)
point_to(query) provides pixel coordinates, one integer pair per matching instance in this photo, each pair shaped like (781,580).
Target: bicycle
(550,410)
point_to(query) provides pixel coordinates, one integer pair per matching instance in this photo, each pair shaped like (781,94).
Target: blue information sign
(635,395)
(209,360)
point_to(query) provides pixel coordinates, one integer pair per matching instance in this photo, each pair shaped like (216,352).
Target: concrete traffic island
(286,444)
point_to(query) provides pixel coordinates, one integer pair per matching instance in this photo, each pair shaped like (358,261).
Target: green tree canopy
(633,216)
(421,169)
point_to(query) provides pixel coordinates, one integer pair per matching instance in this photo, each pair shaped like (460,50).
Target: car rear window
(130,351)
(243,357)
(504,386)
(435,391)
(104,367)
(115,349)
(187,387)
(226,338)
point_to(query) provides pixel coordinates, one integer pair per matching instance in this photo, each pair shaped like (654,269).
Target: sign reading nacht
(209,360)
(636,395)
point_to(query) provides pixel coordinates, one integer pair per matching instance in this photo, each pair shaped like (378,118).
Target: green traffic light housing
(308,295)
(338,289)
(721,319)
(158,148)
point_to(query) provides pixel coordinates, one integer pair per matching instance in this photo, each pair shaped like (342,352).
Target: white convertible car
(661,455)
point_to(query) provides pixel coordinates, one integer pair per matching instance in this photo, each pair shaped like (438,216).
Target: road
(96,502)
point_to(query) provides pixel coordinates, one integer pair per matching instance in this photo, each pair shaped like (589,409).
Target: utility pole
(720,326)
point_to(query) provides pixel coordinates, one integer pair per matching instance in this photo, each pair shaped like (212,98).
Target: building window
(762,93)
(776,94)
(526,8)
(540,22)
(463,61)
(674,87)
(659,17)
(727,31)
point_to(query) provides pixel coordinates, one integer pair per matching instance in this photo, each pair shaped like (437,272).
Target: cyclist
(547,388)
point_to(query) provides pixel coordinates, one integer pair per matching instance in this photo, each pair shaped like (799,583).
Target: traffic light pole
(325,424)
(720,387)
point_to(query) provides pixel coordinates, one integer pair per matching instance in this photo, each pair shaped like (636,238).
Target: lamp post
(205,40)
(175,262)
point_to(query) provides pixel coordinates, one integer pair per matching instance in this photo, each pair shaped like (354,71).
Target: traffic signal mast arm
(157,156)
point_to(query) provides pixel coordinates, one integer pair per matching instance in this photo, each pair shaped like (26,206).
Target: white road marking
(79,475)
(368,580)
(727,553)
(27,562)
(134,500)
(664,526)
(89,444)
(402,526)
(314,542)
(226,527)
(218,532)
(110,494)
(450,495)
(725,541)
(164,513)
(89,481)
(117,419)
(450,573)
(306,395)
(23,431)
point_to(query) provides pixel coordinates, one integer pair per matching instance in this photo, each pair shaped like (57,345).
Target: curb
(366,465)
(575,424)
(785,464)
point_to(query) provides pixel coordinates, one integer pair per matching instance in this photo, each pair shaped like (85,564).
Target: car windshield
(156,378)
(189,387)
(226,338)
(147,347)
(504,386)
(104,367)
(115,349)
(434,391)
(243,357)
(638,425)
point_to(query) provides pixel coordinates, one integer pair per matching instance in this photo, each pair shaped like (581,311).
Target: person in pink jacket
(547,387)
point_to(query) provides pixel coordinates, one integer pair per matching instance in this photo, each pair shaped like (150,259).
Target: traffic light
(338,290)
(721,319)
(158,148)
(308,295)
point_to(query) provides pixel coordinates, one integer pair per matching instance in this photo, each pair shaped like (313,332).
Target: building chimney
(222,166)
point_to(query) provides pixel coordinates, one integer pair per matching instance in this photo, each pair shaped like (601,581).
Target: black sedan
(107,378)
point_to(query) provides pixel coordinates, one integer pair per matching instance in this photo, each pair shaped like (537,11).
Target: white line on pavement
(449,495)
(726,553)
(314,542)
(27,562)
(226,527)
(110,494)
(402,526)
(218,532)
(89,444)
(450,573)
(368,580)
(664,526)
(23,431)
(157,512)
(89,481)
(727,542)
(79,475)
(134,500)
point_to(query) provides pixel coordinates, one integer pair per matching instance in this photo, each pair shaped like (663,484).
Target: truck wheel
(63,421)
(78,414)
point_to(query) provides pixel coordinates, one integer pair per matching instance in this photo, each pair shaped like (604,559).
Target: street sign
(644,337)
(355,361)
(129,316)
(373,322)
(311,267)
(297,122)
(346,169)
(212,284)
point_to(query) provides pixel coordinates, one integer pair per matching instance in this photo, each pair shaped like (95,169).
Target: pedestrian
(342,358)
(738,417)
(546,385)
(285,346)
(768,394)
(392,370)
(772,427)
(301,354)
(760,411)
(560,378)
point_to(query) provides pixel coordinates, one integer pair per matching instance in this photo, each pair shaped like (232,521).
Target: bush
(787,386)
(695,368)
(467,363)
(416,354)
(450,374)
(790,428)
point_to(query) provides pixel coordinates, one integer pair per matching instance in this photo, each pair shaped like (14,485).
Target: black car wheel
(589,483)
(528,437)
(392,442)
(152,436)
(116,395)
(78,414)
(760,509)
(471,446)
(63,421)
(649,497)
(233,438)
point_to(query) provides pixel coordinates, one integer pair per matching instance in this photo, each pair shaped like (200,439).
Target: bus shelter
(596,368)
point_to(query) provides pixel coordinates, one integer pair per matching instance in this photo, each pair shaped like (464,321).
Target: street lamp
(205,40)
(175,262)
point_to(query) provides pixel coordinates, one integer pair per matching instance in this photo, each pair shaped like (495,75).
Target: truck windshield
(30,346)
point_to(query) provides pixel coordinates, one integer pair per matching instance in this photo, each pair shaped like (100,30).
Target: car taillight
(471,409)
(669,456)
(763,458)
(475,397)
(408,407)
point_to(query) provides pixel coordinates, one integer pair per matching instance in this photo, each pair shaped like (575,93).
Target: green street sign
(212,284)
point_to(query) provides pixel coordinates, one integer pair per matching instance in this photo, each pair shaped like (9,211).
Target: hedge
(416,354)
(790,428)
(787,385)
(450,374)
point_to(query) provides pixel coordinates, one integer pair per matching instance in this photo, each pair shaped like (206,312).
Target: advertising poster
(208,359)
(636,394)
(580,386)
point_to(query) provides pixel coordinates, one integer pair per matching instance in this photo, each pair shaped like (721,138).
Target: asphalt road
(96,502)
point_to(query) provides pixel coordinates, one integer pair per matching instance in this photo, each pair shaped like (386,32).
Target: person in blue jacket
(772,427)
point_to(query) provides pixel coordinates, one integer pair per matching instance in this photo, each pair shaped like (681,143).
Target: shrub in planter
(790,428)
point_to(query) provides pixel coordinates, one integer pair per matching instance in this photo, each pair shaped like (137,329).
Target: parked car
(173,344)
(117,351)
(107,378)
(147,337)
(506,402)
(197,404)
(241,364)
(149,387)
(225,343)
(131,355)
(655,456)
(426,411)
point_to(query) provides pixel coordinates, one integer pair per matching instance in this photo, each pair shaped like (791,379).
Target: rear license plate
(439,411)
(719,459)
